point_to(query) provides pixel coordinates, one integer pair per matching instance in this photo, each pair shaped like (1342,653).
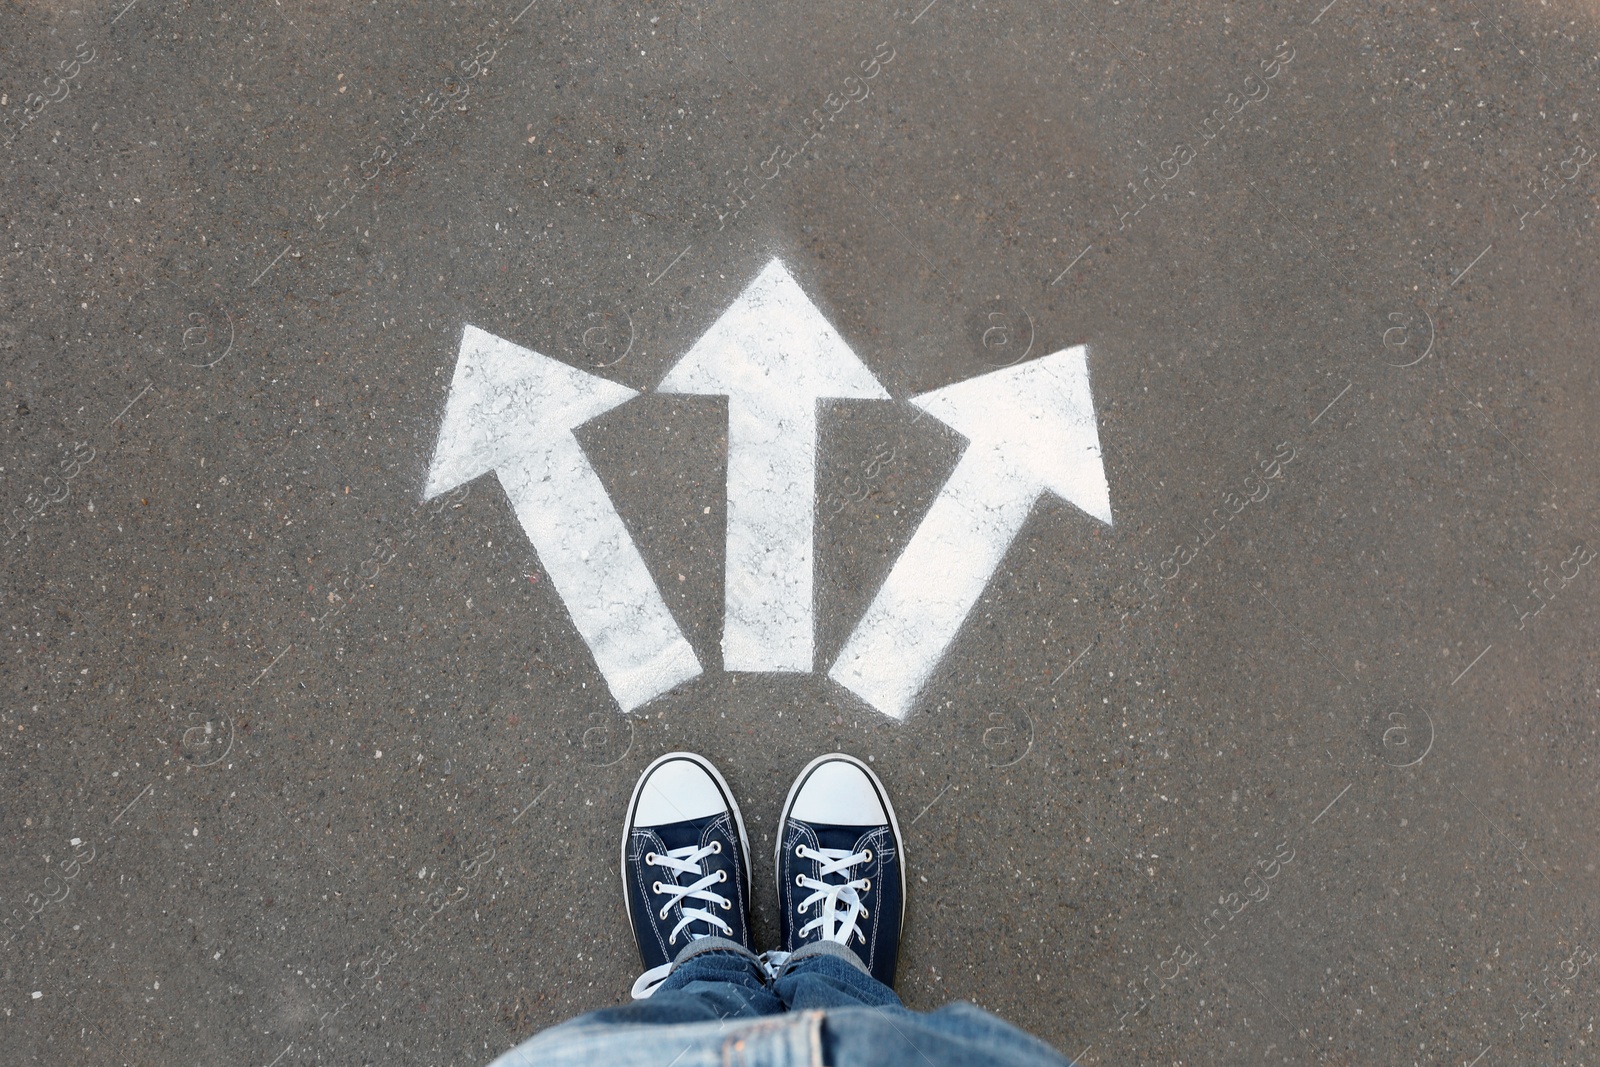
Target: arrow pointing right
(1031,429)
(512,411)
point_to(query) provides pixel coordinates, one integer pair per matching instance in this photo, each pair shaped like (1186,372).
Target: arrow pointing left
(513,411)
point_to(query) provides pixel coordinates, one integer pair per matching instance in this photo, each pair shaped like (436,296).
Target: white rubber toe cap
(838,793)
(676,791)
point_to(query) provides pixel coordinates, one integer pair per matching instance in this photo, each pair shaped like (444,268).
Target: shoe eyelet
(797,851)
(655,887)
(865,914)
(650,859)
(867,885)
(722,876)
(866,855)
(662,914)
(800,910)
(673,940)
(727,905)
(798,882)
(716,847)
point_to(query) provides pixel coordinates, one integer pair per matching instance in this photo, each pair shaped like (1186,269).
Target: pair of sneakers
(686,864)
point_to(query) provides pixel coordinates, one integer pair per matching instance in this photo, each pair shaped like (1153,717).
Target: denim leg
(957,1035)
(826,975)
(867,1026)
(712,979)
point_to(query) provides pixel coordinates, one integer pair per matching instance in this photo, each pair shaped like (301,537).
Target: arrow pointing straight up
(513,411)
(1030,429)
(774,355)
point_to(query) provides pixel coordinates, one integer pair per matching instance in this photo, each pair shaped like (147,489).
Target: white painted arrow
(512,411)
(773,355)
(1030,429)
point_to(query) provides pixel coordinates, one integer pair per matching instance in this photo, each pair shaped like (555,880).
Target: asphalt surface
(1295,762)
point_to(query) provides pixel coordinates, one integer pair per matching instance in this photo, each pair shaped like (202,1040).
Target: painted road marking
(1030,429)
(774,355)
(512,411)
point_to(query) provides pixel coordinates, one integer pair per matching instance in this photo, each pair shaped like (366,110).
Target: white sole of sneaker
(883,796)
(727,793)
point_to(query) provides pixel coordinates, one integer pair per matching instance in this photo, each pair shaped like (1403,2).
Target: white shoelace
(772,962)
(841,909)
(685,860)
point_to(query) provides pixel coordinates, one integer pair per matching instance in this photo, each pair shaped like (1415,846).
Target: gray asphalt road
(1291,761)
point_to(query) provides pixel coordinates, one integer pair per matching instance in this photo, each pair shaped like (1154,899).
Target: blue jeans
(719,1007)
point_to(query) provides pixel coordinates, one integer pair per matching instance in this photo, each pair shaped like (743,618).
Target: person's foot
(685,863)
(841,872)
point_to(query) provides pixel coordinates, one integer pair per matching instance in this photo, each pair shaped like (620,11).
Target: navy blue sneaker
(841,870)
(685,863)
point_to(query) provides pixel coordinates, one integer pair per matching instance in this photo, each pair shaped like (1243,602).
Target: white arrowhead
(512,411)
(1030,429)
(774,355)
(505,398)
(1037,423)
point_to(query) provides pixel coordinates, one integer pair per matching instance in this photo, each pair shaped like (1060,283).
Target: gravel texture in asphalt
(316,733)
